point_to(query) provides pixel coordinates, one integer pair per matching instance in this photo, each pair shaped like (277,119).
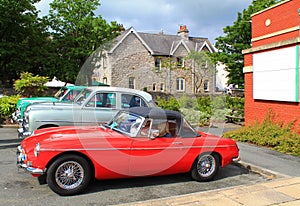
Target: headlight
(37,149)
(26,113)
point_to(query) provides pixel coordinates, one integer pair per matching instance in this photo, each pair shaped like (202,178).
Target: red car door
(163,155)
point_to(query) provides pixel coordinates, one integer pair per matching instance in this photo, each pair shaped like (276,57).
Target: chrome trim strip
(112,149)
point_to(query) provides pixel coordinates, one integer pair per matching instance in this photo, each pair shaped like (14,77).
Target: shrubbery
(7,107)
(171,104)
(29,85)
(203,110)
(270,133)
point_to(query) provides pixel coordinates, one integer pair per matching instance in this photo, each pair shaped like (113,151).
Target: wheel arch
(92,167)
(211,152)
(47,126)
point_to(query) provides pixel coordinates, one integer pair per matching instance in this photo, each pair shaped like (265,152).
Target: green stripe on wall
(297,74)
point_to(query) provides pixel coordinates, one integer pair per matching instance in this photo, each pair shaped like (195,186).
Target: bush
(29,85)
(269,133)
(170,104)
(202,110)
(7,106)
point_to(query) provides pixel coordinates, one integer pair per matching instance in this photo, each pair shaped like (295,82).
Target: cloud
(205,18)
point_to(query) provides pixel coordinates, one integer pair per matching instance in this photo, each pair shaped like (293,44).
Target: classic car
(131,144)
(94,105)
(65,94)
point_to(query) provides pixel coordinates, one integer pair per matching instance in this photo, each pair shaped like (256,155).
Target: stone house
(156,62)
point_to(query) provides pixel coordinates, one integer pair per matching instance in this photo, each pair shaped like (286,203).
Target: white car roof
(145,95)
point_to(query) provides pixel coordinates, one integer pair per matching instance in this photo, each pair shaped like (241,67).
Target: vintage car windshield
(127,123)
(60,93)
(81,97)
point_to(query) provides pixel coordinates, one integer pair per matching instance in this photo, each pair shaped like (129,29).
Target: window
(105,80)
(107,100)
(131,82)
(187,130)
(104,62)
(179,62)
(205,64)
(154,87)
(162,87)
(180,84)
(157,64)
(71,95)
(129,100)
(206,85)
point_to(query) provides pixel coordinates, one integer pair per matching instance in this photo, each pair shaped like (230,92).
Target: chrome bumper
(22,134)
(21,157)
(236,159)
(16,116)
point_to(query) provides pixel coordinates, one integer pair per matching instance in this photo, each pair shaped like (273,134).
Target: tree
(201,69)
(22,35)
(237,38)
(76,33)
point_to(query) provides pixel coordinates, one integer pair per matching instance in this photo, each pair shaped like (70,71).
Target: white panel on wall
(274,75)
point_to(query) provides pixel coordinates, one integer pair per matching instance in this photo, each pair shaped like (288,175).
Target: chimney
(183,32)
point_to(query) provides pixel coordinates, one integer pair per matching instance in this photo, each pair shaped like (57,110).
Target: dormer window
(179,62)
(157,64)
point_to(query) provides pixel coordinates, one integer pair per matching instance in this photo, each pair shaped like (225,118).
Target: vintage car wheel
(205,167)
(69,175)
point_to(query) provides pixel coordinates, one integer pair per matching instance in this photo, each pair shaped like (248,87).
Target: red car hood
(68,137)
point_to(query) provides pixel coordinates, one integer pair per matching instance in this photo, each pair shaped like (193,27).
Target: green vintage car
(65,94)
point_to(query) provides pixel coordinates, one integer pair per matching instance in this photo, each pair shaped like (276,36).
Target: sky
(203,18)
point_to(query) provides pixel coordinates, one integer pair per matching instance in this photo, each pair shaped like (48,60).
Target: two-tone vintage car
(139,141)
(65,94)
(94,105)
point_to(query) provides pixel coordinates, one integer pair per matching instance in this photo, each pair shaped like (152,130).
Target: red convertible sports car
(136,142)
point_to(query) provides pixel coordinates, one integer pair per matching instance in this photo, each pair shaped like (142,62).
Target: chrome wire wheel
(206,165)
(69,175)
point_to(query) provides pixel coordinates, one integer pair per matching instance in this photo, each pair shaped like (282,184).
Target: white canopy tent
(56,83)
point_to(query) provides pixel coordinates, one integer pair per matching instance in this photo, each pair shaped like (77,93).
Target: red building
(271,66)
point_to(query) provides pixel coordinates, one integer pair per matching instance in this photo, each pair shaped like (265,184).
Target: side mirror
(154,133)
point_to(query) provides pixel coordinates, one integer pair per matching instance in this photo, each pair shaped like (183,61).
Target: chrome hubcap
(206,165)
(69,175)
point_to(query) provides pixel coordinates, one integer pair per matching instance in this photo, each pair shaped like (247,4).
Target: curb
(9,125)
(6,146)
(267,174)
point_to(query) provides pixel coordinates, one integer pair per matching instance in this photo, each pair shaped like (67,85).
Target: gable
(124,38)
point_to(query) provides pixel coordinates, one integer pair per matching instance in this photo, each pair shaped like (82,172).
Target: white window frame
(154,85)
(131,83)
(180,84)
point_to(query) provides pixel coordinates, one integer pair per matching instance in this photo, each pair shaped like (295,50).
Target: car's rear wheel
(205,167)
(69,175)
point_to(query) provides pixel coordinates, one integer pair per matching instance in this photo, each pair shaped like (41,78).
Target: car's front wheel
(69,175)
(205,167)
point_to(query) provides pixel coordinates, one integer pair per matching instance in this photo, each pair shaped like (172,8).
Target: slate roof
(165,44)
